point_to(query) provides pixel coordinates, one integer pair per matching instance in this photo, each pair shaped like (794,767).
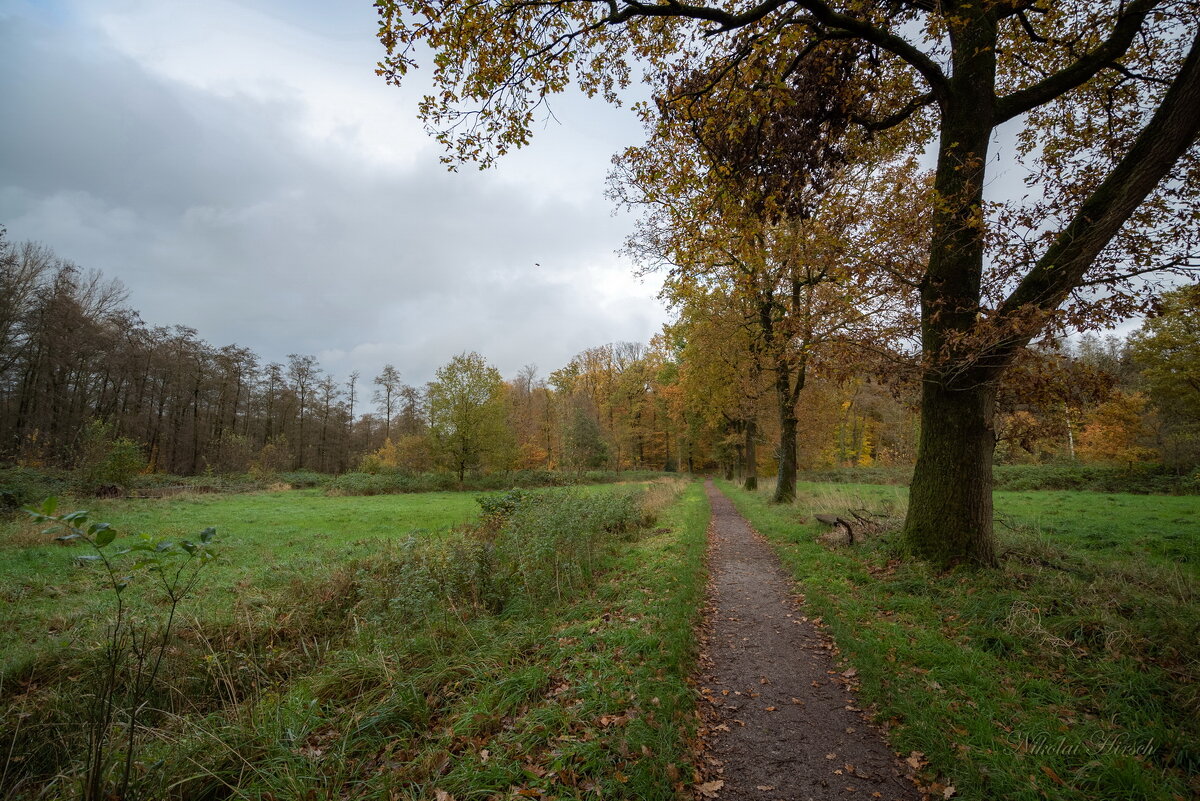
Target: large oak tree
(1103,97)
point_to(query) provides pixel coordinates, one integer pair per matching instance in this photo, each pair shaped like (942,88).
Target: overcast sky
(240,168)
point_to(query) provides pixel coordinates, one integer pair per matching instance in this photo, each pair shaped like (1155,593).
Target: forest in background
(85,384)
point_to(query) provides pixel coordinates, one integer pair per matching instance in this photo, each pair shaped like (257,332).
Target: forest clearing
(794,400)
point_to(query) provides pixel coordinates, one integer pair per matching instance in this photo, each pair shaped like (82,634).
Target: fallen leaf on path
(831,756)
(710,789)
(765,787)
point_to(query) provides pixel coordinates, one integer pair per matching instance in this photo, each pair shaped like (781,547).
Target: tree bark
(785,487)
(751,455)
(785,483)
(950,502)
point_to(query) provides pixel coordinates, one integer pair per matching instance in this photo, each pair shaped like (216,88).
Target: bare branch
(1083,68)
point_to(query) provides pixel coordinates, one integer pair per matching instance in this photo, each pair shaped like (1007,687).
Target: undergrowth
(544,650)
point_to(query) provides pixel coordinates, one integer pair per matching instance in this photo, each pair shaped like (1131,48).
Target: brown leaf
(710,789)
(1049,771)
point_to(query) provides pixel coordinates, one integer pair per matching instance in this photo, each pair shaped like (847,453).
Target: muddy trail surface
(782,722)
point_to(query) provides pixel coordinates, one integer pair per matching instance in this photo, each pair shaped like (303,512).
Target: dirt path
(784,725)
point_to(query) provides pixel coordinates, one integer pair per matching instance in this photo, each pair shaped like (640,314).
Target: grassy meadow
(389,647)
(1070,673)
(266,541)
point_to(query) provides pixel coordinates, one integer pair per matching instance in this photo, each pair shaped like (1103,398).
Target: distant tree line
(73,354)
(83,378)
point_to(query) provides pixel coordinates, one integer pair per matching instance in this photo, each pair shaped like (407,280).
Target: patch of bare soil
(781,721)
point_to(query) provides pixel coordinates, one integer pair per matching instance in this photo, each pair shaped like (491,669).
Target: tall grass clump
(530,548)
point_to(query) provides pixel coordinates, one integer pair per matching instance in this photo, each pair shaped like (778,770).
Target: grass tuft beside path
(1070,673)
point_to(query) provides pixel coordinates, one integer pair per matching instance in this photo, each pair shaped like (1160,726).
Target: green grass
(1070,673)
(381,678)
(1075,476)
(265,541)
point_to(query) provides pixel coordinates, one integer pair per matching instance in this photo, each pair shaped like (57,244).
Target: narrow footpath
(783,723)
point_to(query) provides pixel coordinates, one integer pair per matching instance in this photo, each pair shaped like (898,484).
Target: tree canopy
(1103,97)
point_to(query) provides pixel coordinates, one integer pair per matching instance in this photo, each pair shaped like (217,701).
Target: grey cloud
(217,217)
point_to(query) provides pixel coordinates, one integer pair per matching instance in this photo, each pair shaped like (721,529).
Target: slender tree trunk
(751,451)
(738,465)
(785,486)
(785,395)
(950,502)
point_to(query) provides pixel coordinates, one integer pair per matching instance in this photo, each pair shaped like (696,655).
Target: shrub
(106,459)
(24,486)
(303,479)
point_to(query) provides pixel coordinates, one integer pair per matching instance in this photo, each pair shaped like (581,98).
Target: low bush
(21,487)
(304,479)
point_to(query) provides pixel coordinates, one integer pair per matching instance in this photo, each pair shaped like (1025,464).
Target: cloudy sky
(240,168)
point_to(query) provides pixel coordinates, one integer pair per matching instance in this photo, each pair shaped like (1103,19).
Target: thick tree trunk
(751,455)
(950,502)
